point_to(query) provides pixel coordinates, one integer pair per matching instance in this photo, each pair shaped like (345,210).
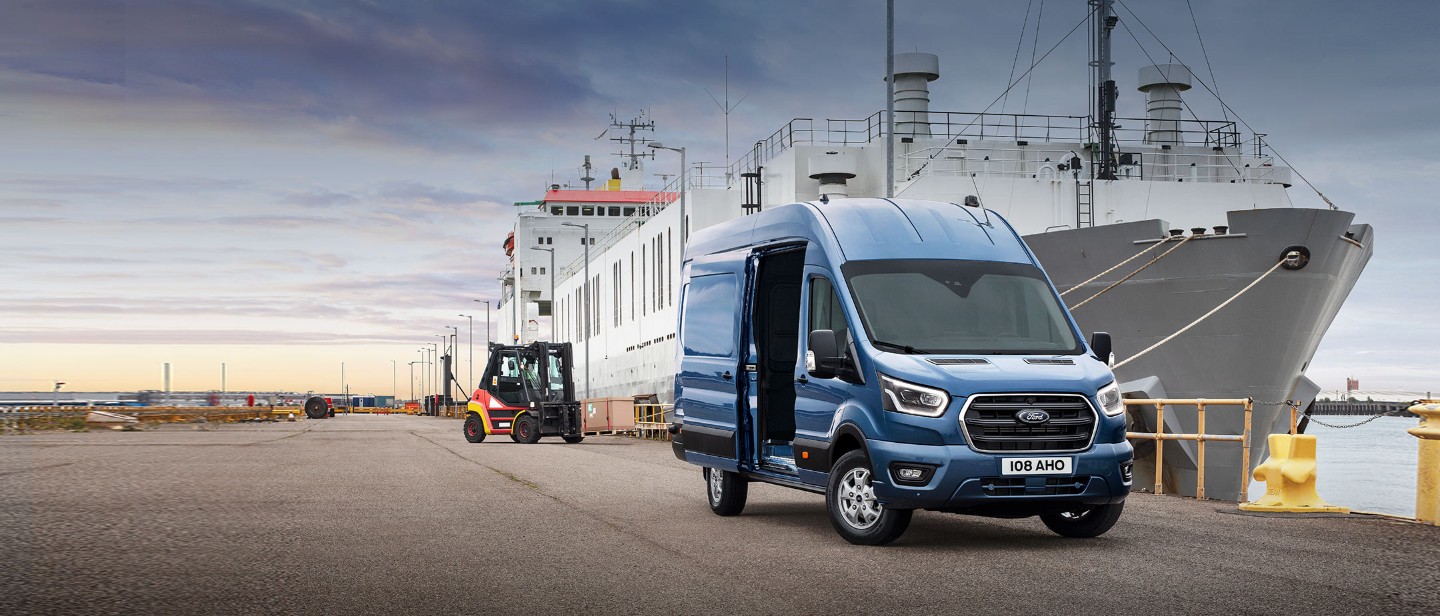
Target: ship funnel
(913,74)
(1162,85)
(832,170)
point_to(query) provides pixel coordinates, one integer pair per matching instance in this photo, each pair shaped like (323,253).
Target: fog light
(1127,471)
(910,473)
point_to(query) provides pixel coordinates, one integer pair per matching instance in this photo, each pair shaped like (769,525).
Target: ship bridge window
(573,210)
(629,211)
(556,210)
(615,210)
(587,211)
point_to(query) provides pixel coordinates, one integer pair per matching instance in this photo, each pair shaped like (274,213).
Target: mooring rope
(1132,274)
(1208,314)
(1116,266)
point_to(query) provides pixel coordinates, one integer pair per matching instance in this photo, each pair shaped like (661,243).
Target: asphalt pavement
(398,514)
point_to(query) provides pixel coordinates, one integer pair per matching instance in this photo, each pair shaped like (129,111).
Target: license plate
(1035,466)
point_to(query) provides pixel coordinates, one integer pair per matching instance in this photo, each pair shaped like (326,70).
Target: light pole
(412,380)
(589,301)
(394,391)
(684,225)
(435,376)
(421,361)
(487,327)
(55,396)
(471,378)
(552,288)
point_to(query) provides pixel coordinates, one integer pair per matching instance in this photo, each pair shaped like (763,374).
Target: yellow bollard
(1427,477)
(1289,476)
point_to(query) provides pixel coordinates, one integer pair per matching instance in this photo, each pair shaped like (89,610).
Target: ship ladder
(1084,205)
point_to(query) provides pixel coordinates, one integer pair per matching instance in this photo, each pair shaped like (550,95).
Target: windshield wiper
(899,347)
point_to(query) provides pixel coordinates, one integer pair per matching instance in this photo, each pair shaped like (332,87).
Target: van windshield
(949,306)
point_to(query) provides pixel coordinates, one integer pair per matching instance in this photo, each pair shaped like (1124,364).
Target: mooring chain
(1296,405)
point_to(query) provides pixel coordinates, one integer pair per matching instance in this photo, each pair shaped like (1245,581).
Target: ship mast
(1105,89)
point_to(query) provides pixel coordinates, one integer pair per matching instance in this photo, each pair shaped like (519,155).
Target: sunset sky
(285,186)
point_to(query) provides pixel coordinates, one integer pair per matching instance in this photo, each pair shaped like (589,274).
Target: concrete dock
(398,514)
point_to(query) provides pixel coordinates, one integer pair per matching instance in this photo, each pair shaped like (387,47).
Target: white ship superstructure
(1085,203)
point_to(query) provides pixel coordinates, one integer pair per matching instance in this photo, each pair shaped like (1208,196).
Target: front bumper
(965,479)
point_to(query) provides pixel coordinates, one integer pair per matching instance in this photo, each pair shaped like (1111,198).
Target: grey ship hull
(1259,346)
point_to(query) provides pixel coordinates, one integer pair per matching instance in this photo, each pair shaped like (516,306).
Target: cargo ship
(1175,235)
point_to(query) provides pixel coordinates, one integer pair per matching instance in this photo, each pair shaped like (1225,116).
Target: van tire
(725,491)
(1084,523)
(474,431)
(526,431)
(850,501)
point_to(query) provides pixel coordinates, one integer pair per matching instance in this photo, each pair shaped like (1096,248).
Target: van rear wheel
(1084,523)
(854,511)
(726,491)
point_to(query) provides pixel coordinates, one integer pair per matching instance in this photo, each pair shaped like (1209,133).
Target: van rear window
(710,308)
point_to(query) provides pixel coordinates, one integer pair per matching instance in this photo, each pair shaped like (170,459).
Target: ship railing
(956,126)
(1199,436)
(652,421)
(1048,161)
(643,212)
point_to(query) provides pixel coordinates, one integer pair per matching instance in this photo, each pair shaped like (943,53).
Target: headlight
(1109,397)
(903,397)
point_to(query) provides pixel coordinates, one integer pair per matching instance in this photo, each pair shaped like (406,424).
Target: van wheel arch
(847,439)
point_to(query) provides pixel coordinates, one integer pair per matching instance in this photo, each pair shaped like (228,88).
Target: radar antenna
(631,136)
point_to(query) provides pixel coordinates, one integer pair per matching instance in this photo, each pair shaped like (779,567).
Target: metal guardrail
(1159,436)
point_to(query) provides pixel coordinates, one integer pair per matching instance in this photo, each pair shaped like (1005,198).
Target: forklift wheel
(513,437)
(574,439)
(474,432)
(526,431)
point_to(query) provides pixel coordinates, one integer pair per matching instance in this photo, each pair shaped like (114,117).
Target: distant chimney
(1162,85)
(913,74)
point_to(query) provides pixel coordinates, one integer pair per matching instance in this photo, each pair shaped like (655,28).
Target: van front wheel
(854,511)
(726,491)
(1084,523)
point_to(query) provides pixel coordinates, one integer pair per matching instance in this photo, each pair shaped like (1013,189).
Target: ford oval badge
(1032,417)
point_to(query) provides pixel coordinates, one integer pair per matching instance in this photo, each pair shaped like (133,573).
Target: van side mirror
(822,356)
(1100,344)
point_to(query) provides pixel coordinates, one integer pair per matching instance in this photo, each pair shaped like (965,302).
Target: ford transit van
(893,355)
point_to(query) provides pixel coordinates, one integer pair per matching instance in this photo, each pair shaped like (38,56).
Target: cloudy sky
(285,186)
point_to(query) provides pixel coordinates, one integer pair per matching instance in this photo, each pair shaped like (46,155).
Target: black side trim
(710,441)
(789,483)
(812,455)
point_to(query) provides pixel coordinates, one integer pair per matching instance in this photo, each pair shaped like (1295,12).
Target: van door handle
(727,376)
(802,379)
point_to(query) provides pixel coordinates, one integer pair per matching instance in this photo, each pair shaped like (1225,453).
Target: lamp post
(435,376)
(487,327)
(394,391)
(552,288)
(55,395)
(471,379)
(684,224)
(412,380)
(589,301)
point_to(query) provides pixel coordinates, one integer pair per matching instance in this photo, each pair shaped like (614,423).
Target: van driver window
(827,313)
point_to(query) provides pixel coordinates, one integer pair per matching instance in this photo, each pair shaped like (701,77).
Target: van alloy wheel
(857,499)
(854,510)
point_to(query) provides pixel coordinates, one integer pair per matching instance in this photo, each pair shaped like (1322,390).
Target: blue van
(894,355)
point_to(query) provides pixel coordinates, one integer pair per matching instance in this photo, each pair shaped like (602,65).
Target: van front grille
(992,423)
